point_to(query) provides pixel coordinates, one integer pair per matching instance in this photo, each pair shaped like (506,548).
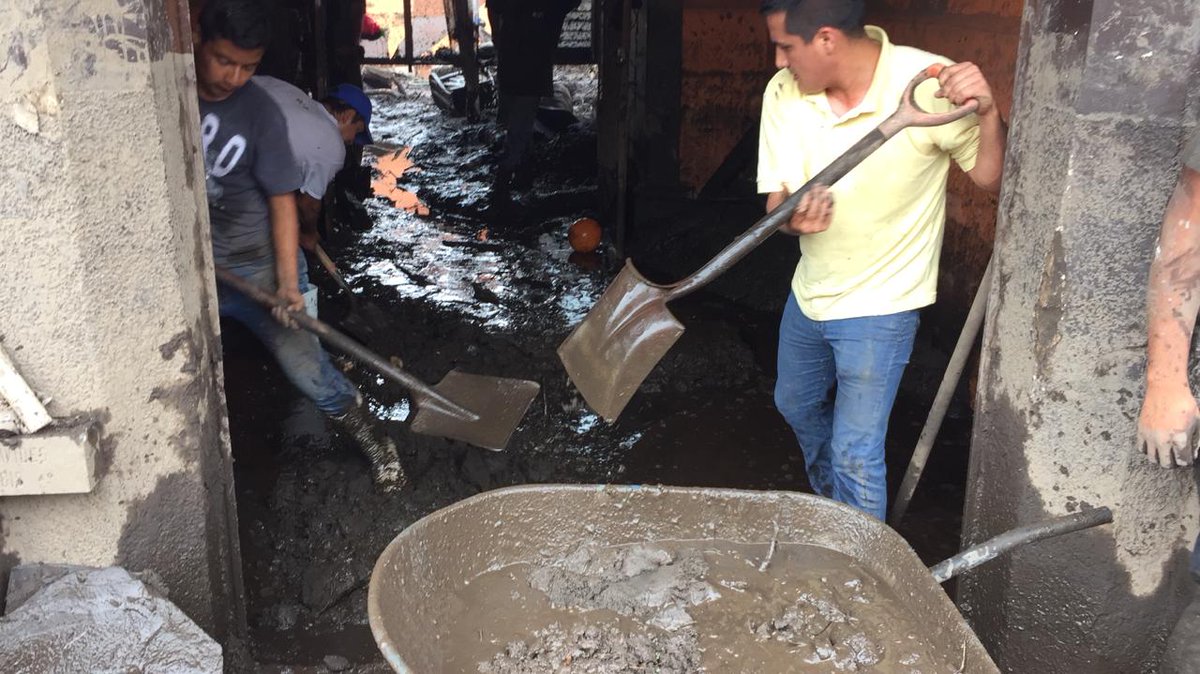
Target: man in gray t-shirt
(251,177)
(1169,424)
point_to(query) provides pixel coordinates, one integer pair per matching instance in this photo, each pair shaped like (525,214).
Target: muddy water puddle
(686,606)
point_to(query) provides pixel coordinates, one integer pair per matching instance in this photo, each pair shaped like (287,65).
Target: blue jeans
(837,382)
(298,352)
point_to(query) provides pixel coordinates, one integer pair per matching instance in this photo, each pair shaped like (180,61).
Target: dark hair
(337,105)
(806,17)
(245,23)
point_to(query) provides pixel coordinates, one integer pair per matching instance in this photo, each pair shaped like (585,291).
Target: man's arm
(1170,421)
(309,210)
(285,237)
(960,83)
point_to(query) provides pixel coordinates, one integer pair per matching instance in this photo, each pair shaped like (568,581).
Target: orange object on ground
(391,168)
(584,235)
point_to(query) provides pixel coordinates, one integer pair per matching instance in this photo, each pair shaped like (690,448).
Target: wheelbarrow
(416,602)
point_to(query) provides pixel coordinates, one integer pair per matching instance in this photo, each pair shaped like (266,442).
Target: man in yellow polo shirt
(869,244)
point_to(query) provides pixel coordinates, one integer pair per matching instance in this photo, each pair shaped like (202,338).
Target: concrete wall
(1106,93)
(106,297)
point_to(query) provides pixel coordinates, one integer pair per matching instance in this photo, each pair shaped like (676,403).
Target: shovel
(483,411)
(363,320)
(630,329)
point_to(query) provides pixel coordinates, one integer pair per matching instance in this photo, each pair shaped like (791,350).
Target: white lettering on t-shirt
(229,155)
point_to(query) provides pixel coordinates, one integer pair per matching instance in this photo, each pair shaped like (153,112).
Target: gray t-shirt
(312,133)
(246,159)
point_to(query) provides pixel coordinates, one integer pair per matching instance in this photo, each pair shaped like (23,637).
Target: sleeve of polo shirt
(1191,153)
(318,174)
(770,134)
(958,139)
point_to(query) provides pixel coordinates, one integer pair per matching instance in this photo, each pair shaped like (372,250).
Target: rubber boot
(379,449)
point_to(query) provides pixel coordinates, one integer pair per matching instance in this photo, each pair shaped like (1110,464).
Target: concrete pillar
(107,302)
(1106,92)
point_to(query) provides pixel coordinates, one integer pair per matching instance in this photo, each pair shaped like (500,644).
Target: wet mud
(676,606)
(489,286)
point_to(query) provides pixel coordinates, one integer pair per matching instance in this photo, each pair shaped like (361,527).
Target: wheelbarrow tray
(435,557)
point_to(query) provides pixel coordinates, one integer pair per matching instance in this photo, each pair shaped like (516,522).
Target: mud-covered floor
(491,288)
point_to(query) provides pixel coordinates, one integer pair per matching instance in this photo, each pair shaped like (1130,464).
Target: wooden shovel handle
(908,114)
(421,391)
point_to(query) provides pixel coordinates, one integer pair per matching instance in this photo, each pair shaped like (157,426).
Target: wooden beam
(20,397)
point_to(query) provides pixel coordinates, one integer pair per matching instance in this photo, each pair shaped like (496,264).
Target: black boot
(376,445)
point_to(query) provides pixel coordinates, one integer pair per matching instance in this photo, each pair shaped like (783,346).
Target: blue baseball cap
(355,98)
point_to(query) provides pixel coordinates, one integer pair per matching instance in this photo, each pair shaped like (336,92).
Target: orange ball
(584,235)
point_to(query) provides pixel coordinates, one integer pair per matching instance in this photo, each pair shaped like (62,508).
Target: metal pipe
(994,547)
(941,402)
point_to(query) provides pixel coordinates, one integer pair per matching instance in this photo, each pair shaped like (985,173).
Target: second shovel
(630,329)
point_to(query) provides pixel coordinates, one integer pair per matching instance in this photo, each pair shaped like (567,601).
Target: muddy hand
(1169,426)
(814,212)
(964,81)
(295,302)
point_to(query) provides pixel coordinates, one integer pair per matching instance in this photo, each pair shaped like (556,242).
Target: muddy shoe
(376,445)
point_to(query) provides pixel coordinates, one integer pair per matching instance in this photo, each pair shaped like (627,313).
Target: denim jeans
(298,352)
(837,382)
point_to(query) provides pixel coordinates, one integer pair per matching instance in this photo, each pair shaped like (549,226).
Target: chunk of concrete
(27,580)
(98,620)
(56,460)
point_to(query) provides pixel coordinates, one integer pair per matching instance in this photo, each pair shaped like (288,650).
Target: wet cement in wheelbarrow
(499,304)
(682,607)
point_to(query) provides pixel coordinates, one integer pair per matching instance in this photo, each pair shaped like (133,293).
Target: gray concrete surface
(103,620)
(1106,94)
(106,298)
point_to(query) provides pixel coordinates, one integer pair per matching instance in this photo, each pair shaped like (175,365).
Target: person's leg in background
(518,113)
(309,368)
(870,355)
(803,392)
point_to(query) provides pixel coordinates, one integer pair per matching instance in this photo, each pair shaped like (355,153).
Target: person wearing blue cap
(318,133)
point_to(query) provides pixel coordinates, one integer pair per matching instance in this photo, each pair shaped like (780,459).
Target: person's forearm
(285,236)
(989,163)
(1174,290)
(309,211)
(776,198)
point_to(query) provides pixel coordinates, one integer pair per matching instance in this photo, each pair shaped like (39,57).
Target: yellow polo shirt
(880,253)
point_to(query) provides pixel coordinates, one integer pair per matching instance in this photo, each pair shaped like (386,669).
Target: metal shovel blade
(497,404)
(620,341)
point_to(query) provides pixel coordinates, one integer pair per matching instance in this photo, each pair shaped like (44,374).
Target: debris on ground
(101,620)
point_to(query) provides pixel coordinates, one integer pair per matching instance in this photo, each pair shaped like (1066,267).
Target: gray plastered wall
(107,302)
(1105,96)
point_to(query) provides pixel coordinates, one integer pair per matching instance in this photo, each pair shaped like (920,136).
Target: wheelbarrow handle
(423,392)
(908,114)
(994,547)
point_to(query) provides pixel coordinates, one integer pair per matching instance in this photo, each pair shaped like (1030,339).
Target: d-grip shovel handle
(908,114)
(422,392)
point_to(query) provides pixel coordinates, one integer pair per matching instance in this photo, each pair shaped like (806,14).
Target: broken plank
(29,410)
